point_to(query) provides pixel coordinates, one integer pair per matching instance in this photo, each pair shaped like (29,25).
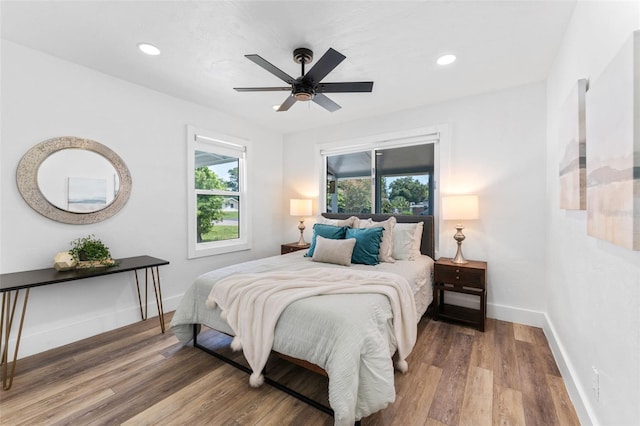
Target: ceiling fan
(308,87)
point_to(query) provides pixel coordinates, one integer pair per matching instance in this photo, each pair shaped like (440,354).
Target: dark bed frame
(427,247)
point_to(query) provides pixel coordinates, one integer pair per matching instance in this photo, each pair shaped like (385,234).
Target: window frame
(217,143)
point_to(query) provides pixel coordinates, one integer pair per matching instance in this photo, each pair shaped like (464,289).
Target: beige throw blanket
(252,303)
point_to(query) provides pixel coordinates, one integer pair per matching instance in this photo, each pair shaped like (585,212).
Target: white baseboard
(518,315)
(499,312)
(576,390)
(49,338)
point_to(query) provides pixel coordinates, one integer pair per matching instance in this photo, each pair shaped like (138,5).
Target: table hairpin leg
(6,324)
(158,292)
(156,289)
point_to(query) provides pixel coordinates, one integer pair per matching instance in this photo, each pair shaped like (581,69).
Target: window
(218,198)
(392,177)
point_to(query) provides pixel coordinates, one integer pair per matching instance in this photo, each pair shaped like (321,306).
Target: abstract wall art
(573,160)
(613,154)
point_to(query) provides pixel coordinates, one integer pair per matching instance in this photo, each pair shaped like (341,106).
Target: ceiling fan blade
(287,104)
(262,89)
(325,102)
(324,66)
(271,68)
(360,86)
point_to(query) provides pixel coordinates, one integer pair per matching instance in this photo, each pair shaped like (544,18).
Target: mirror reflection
(78,180)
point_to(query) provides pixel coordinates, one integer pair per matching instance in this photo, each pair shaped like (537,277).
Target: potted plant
(91,252)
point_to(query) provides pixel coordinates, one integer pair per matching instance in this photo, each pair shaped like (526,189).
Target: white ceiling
(499,44)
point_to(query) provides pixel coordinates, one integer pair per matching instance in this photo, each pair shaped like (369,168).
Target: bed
(349,336)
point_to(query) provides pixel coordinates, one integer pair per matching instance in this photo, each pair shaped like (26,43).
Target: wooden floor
(137,376)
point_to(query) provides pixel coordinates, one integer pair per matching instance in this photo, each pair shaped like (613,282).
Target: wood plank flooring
(137,376)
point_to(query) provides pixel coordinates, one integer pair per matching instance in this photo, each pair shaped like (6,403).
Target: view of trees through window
(400,195)
(405,195)
(398,182)
(353,196)
(217,198)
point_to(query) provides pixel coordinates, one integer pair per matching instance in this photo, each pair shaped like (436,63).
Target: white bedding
(346,335)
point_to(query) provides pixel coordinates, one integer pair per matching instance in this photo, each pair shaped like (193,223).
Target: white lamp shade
(460,207)
(300,208)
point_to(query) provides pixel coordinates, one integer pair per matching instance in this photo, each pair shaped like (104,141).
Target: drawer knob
(457,277)
(457,271)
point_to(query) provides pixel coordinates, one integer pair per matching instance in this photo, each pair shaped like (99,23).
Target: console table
(12,284)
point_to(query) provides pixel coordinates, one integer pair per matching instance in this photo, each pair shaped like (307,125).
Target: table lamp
(459,208)
(300,208)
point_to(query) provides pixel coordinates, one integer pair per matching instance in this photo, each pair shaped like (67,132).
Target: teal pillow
(326,231)
(367,246)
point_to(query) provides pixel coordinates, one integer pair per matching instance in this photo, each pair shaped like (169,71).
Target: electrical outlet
(595,383)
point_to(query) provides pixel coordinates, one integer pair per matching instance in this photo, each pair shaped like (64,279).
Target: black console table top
(40,277)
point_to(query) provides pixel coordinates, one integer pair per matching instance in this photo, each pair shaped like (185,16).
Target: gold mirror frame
(27,179)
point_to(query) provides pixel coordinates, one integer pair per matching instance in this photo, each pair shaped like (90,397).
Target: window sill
(204,251)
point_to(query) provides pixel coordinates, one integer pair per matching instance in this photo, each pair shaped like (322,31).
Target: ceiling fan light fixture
(446,59)
(149,49)
(303,96)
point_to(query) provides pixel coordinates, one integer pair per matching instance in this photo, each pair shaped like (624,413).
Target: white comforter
(252,303)
(350,336)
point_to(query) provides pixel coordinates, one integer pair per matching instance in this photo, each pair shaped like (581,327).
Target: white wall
(495,147)
(44,97)
(593,287)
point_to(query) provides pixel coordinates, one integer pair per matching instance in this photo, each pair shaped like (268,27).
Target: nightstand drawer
(292,247)
(468,277)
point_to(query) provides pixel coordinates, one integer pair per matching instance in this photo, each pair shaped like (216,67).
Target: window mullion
(374,183)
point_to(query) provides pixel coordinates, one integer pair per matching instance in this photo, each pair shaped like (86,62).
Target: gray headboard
(428,240)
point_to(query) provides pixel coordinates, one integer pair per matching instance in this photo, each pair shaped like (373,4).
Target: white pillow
(386,245)
(407,238)
(333,251)
(338,222)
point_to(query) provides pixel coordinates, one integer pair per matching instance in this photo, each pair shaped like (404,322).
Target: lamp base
(301,227)
(459,259)
(459,237)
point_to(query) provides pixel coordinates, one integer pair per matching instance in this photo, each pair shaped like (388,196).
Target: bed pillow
(407,238)
(338,222)
(367,246)
(338,252)
(386,245)
(326,231)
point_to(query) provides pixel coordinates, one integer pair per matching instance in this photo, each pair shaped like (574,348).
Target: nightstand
(291,247)
(468,278)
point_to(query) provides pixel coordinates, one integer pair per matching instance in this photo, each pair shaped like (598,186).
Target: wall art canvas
(573,160)
(87,194)
(613,155)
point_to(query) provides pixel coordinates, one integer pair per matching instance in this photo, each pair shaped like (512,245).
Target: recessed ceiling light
(446,59)
(149,49)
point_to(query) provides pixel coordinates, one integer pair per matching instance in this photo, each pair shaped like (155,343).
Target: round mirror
(73,180)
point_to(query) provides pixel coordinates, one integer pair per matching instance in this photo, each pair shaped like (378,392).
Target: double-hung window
(218,201)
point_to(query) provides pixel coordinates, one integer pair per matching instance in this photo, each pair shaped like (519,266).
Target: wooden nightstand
(468,278)
(291,247)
